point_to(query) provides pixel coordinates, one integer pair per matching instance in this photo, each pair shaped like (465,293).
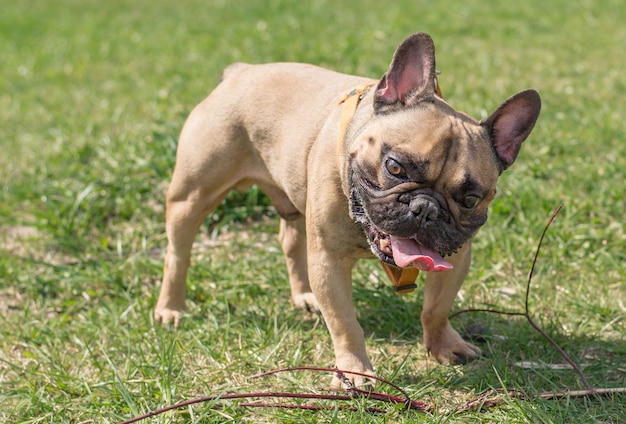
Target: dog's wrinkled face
(421,175)
(421,184)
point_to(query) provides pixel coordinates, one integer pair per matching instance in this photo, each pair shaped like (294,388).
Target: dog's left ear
(511,123)
(411,76)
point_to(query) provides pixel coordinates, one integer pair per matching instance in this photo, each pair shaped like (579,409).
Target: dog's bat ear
(511,123)
(411,76)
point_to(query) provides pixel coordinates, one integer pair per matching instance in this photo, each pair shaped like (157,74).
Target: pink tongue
(409,252)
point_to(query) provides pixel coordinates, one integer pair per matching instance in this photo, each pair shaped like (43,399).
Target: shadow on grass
(515,353)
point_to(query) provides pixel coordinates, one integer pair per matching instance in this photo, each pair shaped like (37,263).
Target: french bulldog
(404,178)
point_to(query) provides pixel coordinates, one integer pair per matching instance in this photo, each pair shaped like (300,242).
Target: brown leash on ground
(403,279)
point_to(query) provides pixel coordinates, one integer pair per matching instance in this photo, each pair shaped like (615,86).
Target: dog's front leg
(330,276)
(441,340)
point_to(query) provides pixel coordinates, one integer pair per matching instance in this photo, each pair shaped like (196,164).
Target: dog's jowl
(401,177)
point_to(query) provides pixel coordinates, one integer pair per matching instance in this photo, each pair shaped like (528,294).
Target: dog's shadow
(384,314)
(513,350)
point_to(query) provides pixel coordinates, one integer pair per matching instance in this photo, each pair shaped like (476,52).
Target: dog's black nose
(424,209)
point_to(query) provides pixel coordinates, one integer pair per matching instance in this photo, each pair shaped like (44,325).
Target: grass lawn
(92,97)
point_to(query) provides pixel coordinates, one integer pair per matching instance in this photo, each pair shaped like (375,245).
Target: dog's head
(421,174)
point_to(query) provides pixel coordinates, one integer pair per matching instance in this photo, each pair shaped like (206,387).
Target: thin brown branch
(309,407)
(340,374)
(491,311)
(234,396)
(532,268)
(584,393)
(562,352)
(495,397)
(526,312)
(353,393)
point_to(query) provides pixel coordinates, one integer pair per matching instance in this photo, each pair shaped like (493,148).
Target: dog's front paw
(306,301)
(346,380)
(448,347)
(166,316)
(460,353)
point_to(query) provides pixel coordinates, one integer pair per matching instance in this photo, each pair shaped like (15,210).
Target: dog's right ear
(411,76)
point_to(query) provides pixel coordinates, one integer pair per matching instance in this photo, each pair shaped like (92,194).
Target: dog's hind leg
(207,168)
(292,238)
(185,214)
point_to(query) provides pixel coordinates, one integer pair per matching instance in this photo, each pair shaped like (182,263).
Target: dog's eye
(395,169)
(471,201)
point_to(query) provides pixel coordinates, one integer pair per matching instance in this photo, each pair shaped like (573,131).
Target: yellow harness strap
(350,102)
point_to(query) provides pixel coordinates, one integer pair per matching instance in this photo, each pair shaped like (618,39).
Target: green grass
(92,97)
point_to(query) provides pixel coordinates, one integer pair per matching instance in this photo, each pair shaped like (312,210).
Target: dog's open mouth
(397,251)
(404,252)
